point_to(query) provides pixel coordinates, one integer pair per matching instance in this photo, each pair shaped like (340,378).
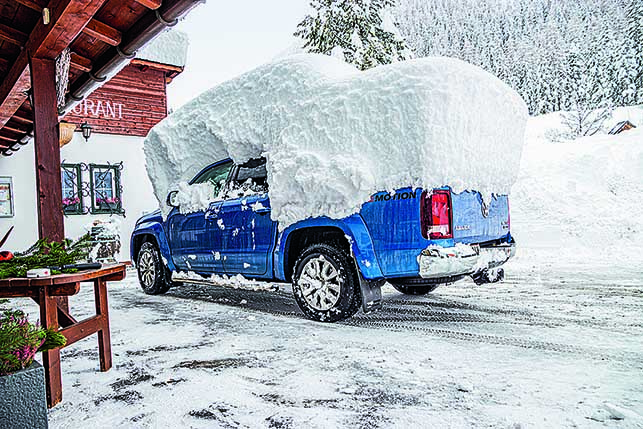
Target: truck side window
(252,177)
(216,175)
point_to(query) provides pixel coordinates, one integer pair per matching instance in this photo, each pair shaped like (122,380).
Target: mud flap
(371,293)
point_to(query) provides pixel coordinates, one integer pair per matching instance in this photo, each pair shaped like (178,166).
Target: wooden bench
(47,291)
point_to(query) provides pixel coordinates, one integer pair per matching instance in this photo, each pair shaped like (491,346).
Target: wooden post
(48,179)
(51,224)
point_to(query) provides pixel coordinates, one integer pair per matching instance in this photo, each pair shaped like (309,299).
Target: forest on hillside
(573,55)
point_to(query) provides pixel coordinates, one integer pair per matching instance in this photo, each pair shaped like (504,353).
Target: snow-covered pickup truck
(414,239)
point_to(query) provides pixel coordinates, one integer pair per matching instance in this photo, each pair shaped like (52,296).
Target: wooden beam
(94,29)
(12,35)
(7,139)
(69,17)
(81,63)
(13,90)
(103,32)
(36,5)
(48,179)
(150,4)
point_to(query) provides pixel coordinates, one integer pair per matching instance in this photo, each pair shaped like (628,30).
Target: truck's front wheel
(152,274)
(325,284)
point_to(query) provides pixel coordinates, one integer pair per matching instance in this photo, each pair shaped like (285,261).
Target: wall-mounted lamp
(45,16)
(86,129)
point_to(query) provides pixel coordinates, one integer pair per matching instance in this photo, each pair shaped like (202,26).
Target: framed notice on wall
(6,197)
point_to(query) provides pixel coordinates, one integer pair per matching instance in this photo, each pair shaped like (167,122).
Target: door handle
(262,211)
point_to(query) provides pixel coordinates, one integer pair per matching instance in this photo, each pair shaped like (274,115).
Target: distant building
(622,126)
(104,178)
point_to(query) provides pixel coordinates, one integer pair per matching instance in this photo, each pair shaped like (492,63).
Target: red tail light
(435,214)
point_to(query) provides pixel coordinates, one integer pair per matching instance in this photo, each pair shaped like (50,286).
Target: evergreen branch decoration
(45,253)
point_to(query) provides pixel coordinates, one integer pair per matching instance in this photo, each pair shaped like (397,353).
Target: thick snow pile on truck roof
(334,135)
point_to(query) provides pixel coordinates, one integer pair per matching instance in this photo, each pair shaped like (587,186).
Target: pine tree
(353,30)
(635,34)
(527,44)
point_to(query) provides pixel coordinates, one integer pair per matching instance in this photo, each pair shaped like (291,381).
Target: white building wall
(21,167)
(137,196)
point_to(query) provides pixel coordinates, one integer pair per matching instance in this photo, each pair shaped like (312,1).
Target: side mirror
(171,199)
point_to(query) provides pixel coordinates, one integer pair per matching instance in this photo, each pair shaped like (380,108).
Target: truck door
(192,247)
(247,232)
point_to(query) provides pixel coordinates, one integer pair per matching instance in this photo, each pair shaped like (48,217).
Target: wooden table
(46,291)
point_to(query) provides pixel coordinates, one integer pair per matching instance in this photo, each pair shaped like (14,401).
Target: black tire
(414,290)
(153,276)
(343,297)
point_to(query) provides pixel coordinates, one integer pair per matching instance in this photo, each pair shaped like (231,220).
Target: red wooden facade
(131,103)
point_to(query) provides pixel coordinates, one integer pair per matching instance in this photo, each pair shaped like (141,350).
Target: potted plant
(22,380)
(108,204)
(71,205)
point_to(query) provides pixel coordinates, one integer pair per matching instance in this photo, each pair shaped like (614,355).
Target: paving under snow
(547,348)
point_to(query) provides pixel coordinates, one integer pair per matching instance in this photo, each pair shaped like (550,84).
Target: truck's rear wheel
(325,284)
(152,274)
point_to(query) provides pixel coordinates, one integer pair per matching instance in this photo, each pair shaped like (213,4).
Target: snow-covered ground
(544,349)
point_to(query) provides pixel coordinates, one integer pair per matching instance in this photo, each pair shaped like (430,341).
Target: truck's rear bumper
(462,259)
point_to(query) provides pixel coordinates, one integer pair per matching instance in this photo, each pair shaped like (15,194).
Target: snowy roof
(334,135)
(169,48)
(622,126)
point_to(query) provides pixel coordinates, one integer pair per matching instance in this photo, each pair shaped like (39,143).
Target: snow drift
(580,201)
(334,135)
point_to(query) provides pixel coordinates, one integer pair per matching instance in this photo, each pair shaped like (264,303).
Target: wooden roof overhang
(102,35)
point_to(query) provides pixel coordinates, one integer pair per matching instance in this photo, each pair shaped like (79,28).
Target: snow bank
(334,135)
(581,200)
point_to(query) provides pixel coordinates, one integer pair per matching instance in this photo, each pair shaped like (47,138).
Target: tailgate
(475,222)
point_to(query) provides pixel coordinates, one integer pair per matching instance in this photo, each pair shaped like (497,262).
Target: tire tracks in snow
(409,316)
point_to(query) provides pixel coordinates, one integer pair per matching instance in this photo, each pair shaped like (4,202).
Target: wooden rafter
(69,18)
(13,129)
(80,63)
(150,4)
(12,35)
(22,118)
(13,90)
(103,32)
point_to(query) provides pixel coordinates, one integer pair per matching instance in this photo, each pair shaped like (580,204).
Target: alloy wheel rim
(320,283)
(147,269)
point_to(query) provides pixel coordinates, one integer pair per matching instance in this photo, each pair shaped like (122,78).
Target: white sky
(230,37)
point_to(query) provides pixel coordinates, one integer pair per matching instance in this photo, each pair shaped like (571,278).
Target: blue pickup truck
(414,239)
